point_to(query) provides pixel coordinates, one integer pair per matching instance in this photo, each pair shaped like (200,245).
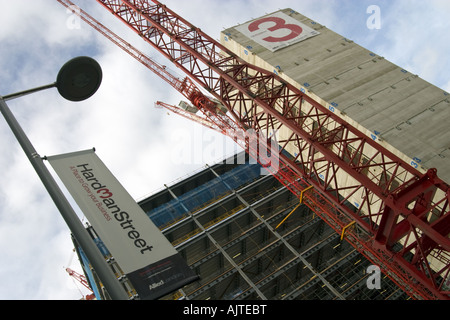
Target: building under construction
(223,220)
(248,236)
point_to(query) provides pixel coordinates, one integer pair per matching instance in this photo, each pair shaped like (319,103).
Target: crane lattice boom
(81,279)
(403,222)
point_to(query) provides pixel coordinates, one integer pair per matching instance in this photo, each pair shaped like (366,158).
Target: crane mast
(403,222)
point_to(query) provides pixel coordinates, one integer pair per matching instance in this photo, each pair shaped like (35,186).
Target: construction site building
(240,253)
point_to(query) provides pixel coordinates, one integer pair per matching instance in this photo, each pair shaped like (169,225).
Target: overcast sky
(144,147)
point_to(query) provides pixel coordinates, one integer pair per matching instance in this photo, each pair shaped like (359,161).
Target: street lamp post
(77,80)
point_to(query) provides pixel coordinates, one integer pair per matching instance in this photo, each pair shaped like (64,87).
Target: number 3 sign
(276,31)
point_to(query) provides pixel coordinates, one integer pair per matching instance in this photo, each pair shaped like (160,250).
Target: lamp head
(79,78)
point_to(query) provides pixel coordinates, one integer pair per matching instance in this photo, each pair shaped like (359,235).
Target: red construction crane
(81,279)
(403,222)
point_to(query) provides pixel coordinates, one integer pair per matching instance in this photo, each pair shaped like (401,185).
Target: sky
(145,147)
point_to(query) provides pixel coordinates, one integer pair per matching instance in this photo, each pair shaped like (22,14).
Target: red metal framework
(81,279)
(403,220)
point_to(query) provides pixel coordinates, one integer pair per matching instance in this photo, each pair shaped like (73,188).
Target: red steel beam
(400,206)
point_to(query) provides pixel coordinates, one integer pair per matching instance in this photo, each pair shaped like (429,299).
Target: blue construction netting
(204,194)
